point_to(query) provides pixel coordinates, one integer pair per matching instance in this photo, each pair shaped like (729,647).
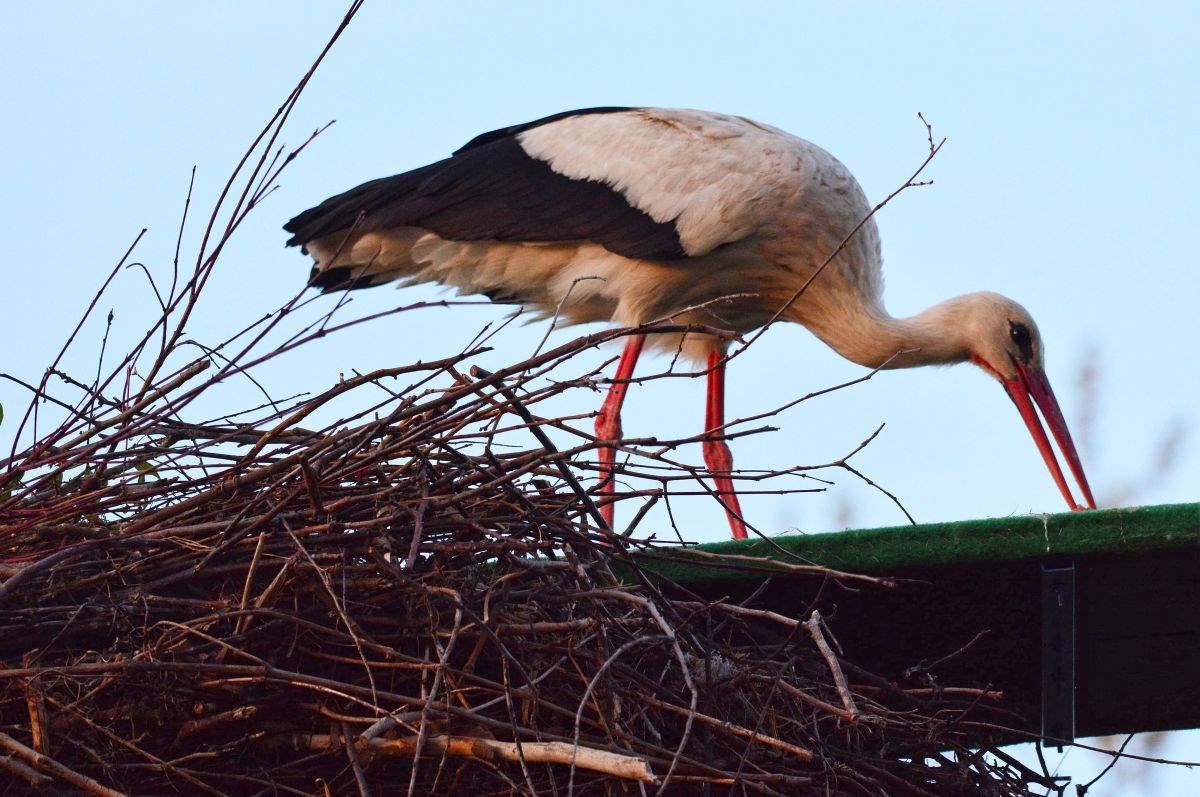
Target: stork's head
(1004,341)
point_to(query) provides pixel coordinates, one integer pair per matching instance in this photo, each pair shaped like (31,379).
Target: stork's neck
(869,336)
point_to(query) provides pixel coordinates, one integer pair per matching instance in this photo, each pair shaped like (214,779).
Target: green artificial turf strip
(998,539)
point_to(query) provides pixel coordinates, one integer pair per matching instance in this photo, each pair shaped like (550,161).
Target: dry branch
(617,765)
(47,764)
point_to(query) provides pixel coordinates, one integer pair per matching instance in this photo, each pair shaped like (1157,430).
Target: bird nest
(400,584)
(394,603)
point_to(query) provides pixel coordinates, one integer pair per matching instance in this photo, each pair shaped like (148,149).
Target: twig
(617,765)
(48,764)
(26,773)
(813,626)
(360,777)
(799,752)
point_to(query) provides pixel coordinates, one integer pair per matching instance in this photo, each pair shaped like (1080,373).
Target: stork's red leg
(608,422)
(716,453)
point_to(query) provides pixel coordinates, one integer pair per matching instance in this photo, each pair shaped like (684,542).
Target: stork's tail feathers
(345,261)
(362,208)
(347,278)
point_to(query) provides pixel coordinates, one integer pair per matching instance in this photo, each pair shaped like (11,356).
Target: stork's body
(636,215)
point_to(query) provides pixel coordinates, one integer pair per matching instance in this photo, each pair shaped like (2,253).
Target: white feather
(719,178)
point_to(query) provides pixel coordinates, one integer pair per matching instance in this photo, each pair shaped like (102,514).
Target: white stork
(695,216)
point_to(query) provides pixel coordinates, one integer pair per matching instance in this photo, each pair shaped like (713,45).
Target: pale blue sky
(1068,182)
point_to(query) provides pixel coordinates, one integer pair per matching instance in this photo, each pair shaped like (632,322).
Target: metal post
(1058,653)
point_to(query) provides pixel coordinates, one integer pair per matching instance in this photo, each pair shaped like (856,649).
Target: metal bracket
(1058,653)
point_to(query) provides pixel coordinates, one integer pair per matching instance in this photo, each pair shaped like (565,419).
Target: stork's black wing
(492,189)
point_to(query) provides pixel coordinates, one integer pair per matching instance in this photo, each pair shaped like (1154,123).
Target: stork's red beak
(1031,382)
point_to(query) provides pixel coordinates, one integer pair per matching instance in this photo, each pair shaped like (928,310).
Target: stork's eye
(1023,340)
